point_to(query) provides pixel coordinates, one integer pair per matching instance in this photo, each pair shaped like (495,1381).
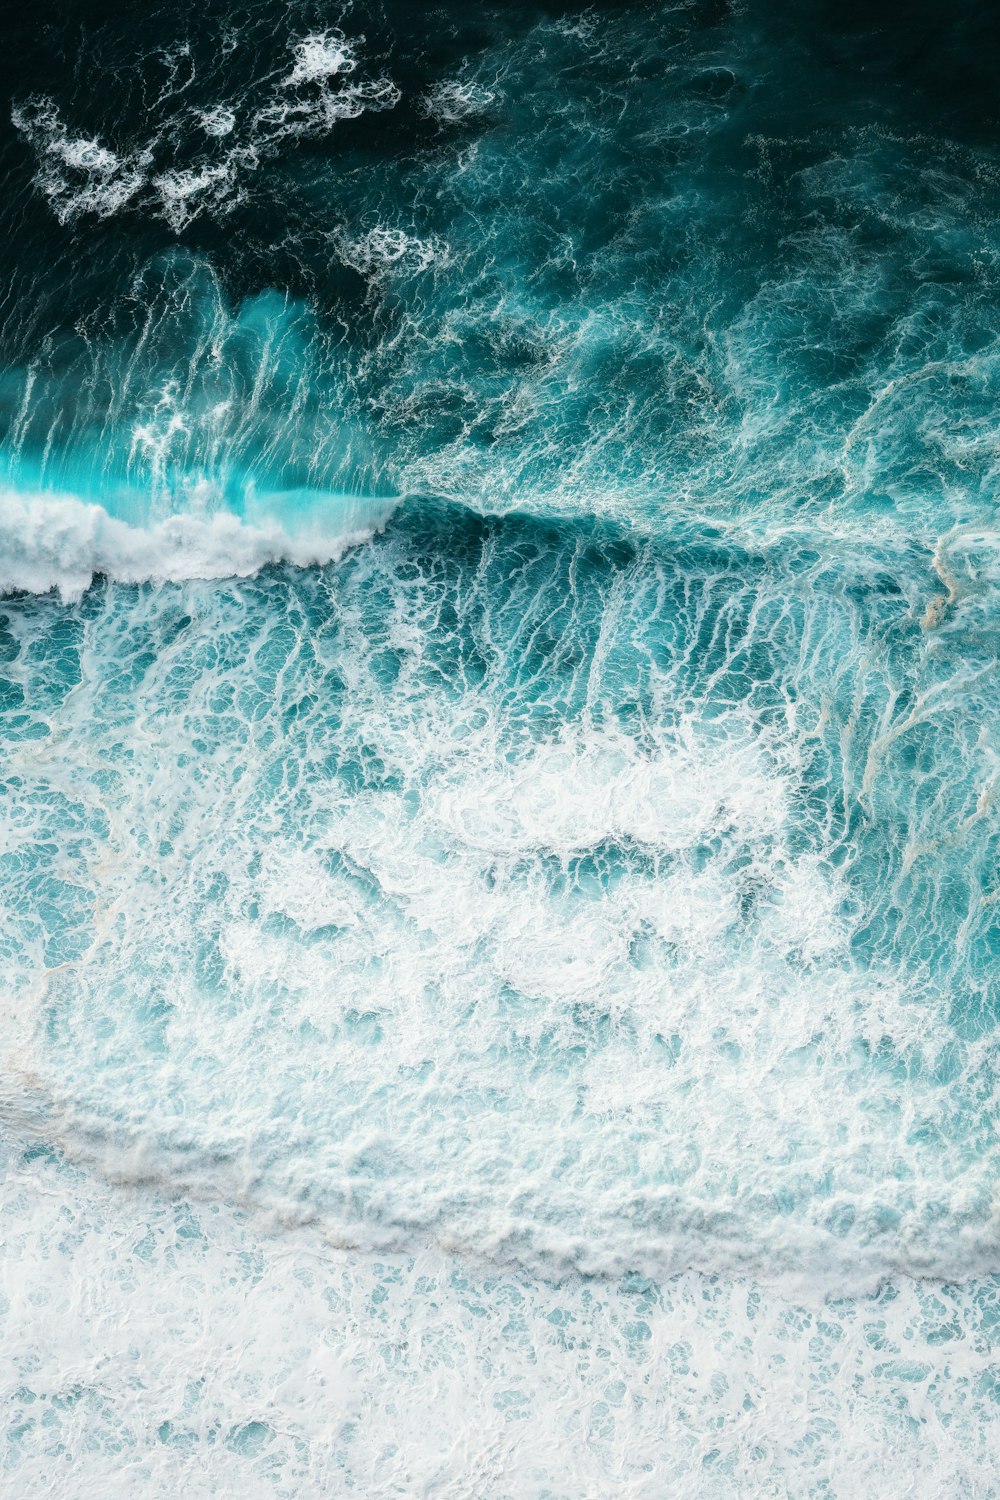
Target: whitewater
(499,772)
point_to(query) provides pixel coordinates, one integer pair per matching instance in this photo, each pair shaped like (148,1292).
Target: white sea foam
(211,186)
(314,96)
(376,1016)
(570,796)
(183,193)
(81,175)
(58,542)
(317,112)
(384,249)
(575,1003)
(173,1345)
(78,174)
(456,99)
(220,120)
(319,57)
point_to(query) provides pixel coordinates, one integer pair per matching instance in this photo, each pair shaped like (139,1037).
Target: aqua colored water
(499,850)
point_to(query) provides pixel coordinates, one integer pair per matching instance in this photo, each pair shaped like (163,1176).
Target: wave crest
(58,542)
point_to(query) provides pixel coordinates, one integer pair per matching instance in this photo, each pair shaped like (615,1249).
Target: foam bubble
(319,57)
(220,120)
(78,174)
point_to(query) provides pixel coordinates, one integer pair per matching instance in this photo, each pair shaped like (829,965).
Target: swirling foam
(81,176)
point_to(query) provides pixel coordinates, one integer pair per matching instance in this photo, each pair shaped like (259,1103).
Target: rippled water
(498,703)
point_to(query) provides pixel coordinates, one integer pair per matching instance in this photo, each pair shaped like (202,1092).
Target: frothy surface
(498,698)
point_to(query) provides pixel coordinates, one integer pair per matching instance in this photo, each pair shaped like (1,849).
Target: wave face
(498,698)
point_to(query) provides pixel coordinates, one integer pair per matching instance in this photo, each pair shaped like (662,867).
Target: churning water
(499,853)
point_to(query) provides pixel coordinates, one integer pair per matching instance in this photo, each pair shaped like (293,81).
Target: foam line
(62,543)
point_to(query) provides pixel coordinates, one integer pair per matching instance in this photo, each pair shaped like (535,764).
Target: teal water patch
(644,262)
(188,408)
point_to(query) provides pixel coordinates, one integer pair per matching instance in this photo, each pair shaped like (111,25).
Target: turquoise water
(498,698)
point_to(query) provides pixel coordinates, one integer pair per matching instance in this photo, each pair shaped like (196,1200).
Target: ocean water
(499,751)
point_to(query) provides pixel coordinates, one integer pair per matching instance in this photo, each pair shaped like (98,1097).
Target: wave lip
(59,542)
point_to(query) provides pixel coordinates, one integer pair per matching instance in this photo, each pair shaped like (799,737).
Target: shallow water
(498,697)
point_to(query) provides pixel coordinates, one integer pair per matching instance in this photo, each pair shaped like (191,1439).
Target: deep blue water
(499,858)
